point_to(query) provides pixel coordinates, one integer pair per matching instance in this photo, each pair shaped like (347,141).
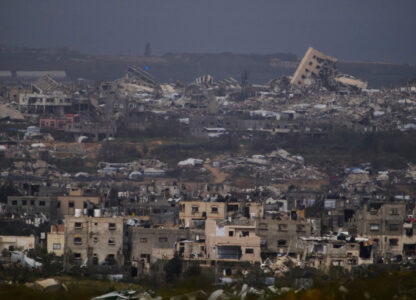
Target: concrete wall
(56,243)
(17,242)
(149,244)
(281,236)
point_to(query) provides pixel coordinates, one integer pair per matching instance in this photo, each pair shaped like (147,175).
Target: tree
(5,253)
(173,268)
(244,77)
(8,189)
(147,50)
(145,149)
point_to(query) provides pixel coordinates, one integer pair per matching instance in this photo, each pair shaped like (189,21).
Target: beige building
(13,242)
(192,213)
(76,200)
(255,210)
(56,239)
(311,65)
(232,241)
(281,236)
(324,254)
(94,240)
(148,245)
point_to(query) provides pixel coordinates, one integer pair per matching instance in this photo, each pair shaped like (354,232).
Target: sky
(351,30)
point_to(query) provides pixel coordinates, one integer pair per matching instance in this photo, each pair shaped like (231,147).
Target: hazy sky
(370,30)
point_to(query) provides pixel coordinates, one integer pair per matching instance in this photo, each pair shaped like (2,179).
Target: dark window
(24,202)
(245,233)
(262,226)
(95,259)
(71,204)
(249,251)
(78,225)
(111,259)
(112,226)
(394,227)
(300,228)
(195,209)
(77,255)
(214,209)
(32,202)
(111,241)
(41,203)
(230,233)
(282,227)
(281,243)
(77,241)
(394,211)
(14,202)
(393,242)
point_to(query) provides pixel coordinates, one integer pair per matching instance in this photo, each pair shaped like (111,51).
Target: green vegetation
(116,152)
(7,189)
(154,129)
(173,268)
(346,148)
(372,284)
(71,164)
(174,152)
(78,288)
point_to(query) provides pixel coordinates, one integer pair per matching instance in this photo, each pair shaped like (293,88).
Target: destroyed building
(312,66)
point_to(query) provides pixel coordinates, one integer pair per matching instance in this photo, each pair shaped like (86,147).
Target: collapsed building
(316,66)
(313,65)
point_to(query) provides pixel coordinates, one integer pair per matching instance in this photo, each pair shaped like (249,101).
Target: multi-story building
(281,235)
(234,241)
(55,103)
(383,222)
(312,65)
(33,206)
(192,214)
(147,245)
(77,199)
(94,240)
